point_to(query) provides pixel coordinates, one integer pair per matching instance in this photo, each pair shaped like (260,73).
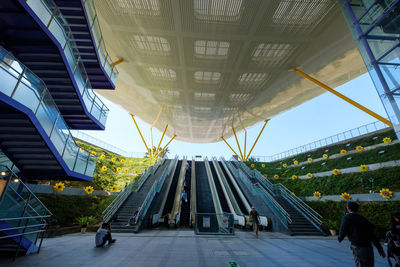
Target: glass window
(216,49)
(138,7)
(271,52)
(217,10)
(207,76)
(163,73)
(151,44)
(252,77)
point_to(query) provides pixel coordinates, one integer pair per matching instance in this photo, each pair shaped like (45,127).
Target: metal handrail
(337,138)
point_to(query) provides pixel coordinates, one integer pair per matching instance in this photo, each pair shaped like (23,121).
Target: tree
(161,155)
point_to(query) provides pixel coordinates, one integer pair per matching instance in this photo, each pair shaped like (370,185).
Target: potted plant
(333,225)
(83,222)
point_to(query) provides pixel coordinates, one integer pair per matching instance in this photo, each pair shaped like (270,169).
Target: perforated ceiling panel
(211,64)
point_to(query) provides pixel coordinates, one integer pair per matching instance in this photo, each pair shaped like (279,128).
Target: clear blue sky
(320,117)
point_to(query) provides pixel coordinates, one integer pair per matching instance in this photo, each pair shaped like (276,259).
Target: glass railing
(52,18)
(23,86)
(213,223)
(5,161)
(105,59)
(22,214)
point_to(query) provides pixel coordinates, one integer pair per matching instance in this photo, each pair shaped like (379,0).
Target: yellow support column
(137,127)
(237,142)
(151,142)
(118,61)
(165,146)
(251,150)
(162,137)
(234,152)
(245,141)
(345,98)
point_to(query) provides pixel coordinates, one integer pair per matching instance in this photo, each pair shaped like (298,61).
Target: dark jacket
(359,231)
(254,217)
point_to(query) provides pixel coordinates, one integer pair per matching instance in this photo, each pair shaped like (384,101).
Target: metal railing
(23,212)
(104,57)
(51,16)
(123,195)
(340,137)
(23,86)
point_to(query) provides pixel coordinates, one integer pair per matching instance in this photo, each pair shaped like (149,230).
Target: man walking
(254,219)
(361,234)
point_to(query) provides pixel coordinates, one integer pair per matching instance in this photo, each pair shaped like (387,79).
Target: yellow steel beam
(234,152)
(245,141)
(162,137)
(251,150)
(118,61)
(137,127)
(237,142)
(151,142)
(345,98)
(165,146)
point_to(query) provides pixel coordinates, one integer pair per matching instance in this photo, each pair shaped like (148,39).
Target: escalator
(203,191)
(234,191)
(221,196)
(185,207)
(171,194)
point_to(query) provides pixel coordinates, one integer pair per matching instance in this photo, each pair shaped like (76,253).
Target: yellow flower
(345,196)
(317,195)
(386,193)
(295,162)
(276,176)
(114,188)
(263,165)
(336,171)
(94,153)
(309,175)
(126,170)
(343,151)
(293,194)
(58,187)
(252,165)
(325,156)
(294,177)
(150,163)
(265,176)
(102,156)
(104,168)
(359,148)
(113,159)
(89,189)
(122,161)
(136,172)
(130,161)
(309,159)
(387,140)
(363,168)
(118,169)
(284,165)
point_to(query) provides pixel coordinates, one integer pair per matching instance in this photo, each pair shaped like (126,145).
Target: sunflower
(89,189)
(284,165)
(113,159)
(309,175)
(122,161)
(317,195)
(104,168)
(336,171)
(102,156)
(118,169)
(136,172)
(294,177)
(343,151)
(263,165)
(252,165)
(309,160)
(265,176)
(325,156)
(94,153)
(387,140)
(276,176)
(386,193)
(295,162)
(359,148)
(58,187)
(126,170)
(345,196)
(114,188)
(150,163)
(363,168)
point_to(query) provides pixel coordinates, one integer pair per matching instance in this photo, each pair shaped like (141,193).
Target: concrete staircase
(300,225)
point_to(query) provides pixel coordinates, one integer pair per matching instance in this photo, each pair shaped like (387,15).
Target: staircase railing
(23,86)
(123,195)
(23,216)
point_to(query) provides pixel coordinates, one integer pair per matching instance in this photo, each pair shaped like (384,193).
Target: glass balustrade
(25,87)
(51,16)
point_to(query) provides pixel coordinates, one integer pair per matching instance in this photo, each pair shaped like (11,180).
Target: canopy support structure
(345,98)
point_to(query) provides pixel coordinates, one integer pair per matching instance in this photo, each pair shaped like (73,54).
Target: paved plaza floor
(184,248)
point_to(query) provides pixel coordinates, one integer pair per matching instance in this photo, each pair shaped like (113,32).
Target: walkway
(183,248)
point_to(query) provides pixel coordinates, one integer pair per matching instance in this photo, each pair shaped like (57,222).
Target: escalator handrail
(193,204)
(176,207)
(214,193)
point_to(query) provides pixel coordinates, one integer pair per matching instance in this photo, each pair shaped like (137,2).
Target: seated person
(103,235)
(132,220)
